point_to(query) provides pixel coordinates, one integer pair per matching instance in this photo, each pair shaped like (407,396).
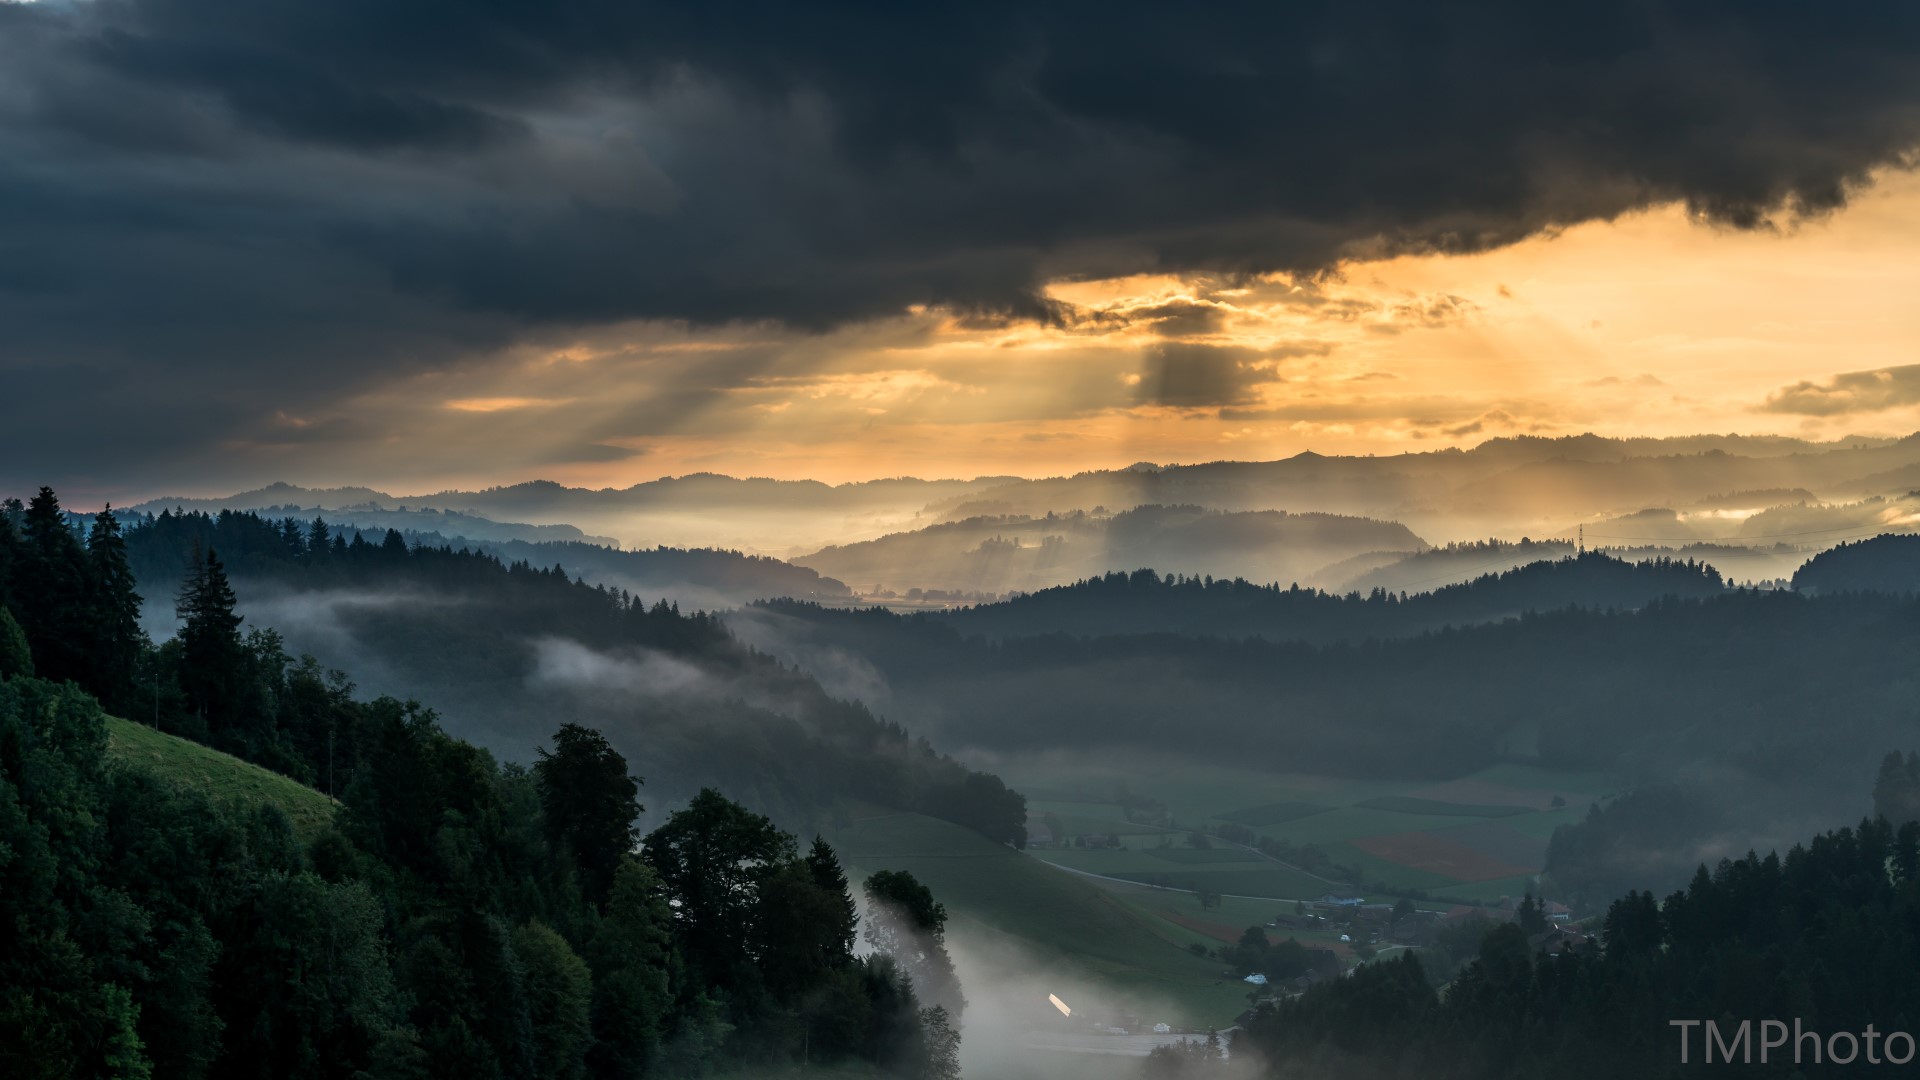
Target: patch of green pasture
(1268,881)
(1373,868)
(1274,813)
(1061,922)
(1490,890)
(1515,774)
(1353,822)
(222,777)
(1188,856)
(1543,822)
(1407,804)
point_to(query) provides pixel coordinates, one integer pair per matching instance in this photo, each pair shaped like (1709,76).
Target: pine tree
(11,553)
(50,592)
(118,642)
(319,539)
(212,656)
(15,657)
(824,867)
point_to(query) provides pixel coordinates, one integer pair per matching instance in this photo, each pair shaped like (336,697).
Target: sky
(436,245)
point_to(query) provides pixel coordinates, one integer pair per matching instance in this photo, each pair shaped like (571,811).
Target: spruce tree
(11,553)
(824,867)
(114,605)
(50,592)
(212,656)
(15,657)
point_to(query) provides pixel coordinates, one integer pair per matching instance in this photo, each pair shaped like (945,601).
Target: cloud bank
(215,218)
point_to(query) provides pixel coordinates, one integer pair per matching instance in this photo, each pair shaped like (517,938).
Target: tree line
(458,917)
(1824,935)
(462,629)
(1145,602)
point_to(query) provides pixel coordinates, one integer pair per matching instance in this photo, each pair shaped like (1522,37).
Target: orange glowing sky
(1649,325)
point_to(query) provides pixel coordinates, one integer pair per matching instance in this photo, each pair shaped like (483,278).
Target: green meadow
(223,777)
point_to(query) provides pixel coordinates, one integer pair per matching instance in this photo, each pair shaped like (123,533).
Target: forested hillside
(707,577)
(1144,602)
(1000,553)
(161,914)
(1752,701)
(1822,937)
(1884,564)
(500,649)
(1579,689)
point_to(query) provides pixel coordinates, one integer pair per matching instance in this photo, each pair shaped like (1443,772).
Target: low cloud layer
(219,223)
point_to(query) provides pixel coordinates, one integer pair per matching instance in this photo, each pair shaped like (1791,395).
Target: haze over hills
(1005,553)
(1768,708)
(1507,487)
(698,510)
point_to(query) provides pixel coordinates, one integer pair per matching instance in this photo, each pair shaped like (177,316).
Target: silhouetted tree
(50,592)
(588,803)
(16,658)
(712,859)
(118,643)
(213,660)
(905,922)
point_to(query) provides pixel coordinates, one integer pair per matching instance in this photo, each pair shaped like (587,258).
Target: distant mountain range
(1001,554)
(1636,496)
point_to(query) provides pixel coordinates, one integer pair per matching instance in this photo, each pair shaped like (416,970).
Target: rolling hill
(222,777)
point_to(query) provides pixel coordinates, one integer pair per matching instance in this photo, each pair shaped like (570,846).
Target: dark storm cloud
(248,207)
(1188,375)
(1183,318)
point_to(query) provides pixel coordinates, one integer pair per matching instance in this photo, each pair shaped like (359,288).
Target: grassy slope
(1198,792)
(1062,927)
(222,777)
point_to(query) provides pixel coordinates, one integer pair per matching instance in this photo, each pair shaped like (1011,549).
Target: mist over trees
(1145,602)
(453,917)
(1765,708)
(498,646)
(1822,934)
(997,553)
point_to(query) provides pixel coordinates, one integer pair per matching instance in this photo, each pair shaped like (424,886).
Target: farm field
(1473,838)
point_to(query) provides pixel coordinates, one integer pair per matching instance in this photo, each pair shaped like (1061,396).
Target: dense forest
(1823,937)
(455,918)
(701,576)
(1887,564)
(1144,602)
(1711,695)
(1731,676)
(1652,837)
(499,647)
